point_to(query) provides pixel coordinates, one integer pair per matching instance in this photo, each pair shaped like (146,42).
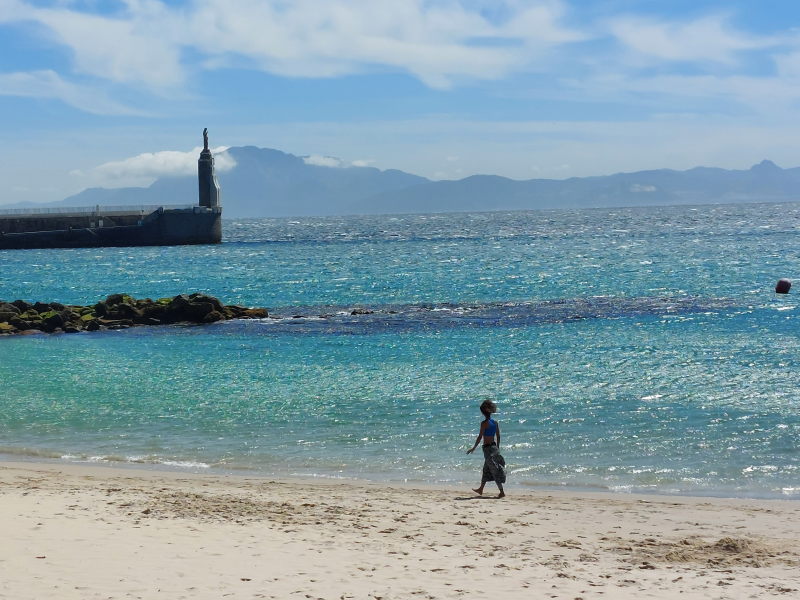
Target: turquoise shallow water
(628,349)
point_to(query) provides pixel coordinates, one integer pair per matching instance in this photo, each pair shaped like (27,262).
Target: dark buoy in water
(783,286)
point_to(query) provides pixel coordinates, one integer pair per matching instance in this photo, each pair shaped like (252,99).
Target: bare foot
(478,491)
(501,495)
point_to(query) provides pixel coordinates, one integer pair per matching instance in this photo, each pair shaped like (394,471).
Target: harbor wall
(45,222)
(162,227)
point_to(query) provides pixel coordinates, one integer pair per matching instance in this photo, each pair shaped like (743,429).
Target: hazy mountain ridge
(702,185)
(267,182)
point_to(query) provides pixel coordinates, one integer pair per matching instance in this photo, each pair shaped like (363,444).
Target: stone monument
(207,179)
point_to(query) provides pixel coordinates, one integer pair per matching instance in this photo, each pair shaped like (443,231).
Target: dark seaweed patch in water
(362,320)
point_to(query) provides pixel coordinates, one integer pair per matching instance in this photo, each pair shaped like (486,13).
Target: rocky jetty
(118,311)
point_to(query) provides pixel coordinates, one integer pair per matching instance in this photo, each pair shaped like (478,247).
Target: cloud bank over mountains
(143,169)
(263,182)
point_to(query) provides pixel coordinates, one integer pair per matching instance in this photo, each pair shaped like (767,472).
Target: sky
(116,93)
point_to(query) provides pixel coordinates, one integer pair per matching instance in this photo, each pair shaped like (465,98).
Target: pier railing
(97,210)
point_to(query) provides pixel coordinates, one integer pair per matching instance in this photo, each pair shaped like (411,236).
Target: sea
(628,350)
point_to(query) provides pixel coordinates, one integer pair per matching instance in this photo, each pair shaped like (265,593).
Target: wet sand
(95,532)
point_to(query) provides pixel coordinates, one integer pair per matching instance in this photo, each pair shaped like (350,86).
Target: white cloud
(138,47)
(438,42)
(709,39)
(11,10)
(157,44)
(788,65)
(48,84)
(322,161)
(765,95)
(638,188)
(143,169)
(331,161)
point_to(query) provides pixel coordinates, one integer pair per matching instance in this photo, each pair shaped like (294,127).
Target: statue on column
(207,180)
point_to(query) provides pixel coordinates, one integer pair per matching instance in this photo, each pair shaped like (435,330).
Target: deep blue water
(628,349)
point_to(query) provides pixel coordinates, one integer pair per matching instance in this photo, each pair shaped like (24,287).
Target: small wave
(566,485)
(321,476)
(38,453)
(28,452)
(183,464)
(135,460)
(760,469)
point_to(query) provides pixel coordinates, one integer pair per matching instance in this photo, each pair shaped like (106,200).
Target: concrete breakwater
(157,227)
(118,311)
(86,227)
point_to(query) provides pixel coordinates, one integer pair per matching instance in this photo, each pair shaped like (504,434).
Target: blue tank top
(491,428)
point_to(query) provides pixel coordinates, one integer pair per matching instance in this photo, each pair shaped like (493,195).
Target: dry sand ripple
(75,532)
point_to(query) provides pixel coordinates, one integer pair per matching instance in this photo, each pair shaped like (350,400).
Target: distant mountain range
(271,183)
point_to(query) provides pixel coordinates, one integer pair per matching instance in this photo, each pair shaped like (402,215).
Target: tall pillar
(206,178)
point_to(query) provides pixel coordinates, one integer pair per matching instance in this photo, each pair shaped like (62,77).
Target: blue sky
(112,93)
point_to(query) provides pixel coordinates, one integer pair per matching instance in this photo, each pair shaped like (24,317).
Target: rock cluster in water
(118,311)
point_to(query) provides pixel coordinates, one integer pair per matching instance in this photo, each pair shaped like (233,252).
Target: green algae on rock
(118,311)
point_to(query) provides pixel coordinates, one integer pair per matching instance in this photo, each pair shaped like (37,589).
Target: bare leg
(502,494)
(479,490)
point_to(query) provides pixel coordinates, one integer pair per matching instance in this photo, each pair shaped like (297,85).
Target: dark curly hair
(488,408)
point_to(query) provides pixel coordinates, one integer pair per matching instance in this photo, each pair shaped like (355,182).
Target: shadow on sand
(478,498)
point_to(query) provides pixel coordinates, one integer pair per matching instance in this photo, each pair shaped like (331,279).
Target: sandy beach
(95,532)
